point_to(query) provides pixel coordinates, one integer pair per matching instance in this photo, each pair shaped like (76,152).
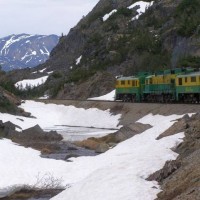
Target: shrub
(188,17)
(56,74)
(145,41)
(80,74)
(124,11)
(189,61)
(6,105)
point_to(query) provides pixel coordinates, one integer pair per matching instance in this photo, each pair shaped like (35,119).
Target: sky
(41,16)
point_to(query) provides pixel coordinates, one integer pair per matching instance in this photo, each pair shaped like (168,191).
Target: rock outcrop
(9,102)
(101,145)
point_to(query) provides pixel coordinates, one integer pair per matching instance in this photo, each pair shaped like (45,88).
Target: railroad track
(114,102)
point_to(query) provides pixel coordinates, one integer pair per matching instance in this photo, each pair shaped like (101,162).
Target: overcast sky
(41,16)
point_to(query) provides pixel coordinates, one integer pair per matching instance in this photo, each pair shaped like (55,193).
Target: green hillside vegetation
(188,18)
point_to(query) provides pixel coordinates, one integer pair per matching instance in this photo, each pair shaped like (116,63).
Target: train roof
(189,74)
(128,78)
(153,75)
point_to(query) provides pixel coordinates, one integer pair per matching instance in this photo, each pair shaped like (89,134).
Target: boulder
(89,144)
(36,133)
(129,131)
(179,126)
(7,129)
(102,147)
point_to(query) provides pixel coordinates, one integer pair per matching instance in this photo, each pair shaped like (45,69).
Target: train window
(180,81)
(128,82)
(122,82)
(193,79)
(150,81)
(133,83)
(186,80)
(136,83)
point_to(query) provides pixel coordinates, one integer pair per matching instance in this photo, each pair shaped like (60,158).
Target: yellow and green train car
(128,89)
(177,85)
(188,87)
(159,88)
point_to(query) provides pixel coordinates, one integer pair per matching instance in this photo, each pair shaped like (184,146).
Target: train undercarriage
(160,98)
(126,97)
(189,98)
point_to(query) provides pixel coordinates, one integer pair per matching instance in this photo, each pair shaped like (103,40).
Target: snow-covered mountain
(24,50)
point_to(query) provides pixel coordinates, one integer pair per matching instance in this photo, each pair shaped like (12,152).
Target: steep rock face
(84,37)
(98,84)
(21,51)
(99,41)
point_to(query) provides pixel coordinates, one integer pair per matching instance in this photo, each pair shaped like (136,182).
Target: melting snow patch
(44,97)
(50,72)
(78,60)
(42,70)
(34,53)
(143,6)
(108,97)
(30,83)
(105,17)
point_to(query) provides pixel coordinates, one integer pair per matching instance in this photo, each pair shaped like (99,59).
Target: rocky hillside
(22,51)
(180,179)
(122,37)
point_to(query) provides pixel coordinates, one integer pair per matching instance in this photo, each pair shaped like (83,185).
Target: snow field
(142,8)
(51,115)
(118,174)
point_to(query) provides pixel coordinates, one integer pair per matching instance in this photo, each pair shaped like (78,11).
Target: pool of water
(70,133)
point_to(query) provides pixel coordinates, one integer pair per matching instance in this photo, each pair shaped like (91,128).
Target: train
(166,86)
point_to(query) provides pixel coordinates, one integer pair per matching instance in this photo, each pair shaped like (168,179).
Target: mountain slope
(21,51)
(159,34)
(121,37)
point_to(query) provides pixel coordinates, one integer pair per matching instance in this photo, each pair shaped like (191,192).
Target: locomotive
(172,85)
